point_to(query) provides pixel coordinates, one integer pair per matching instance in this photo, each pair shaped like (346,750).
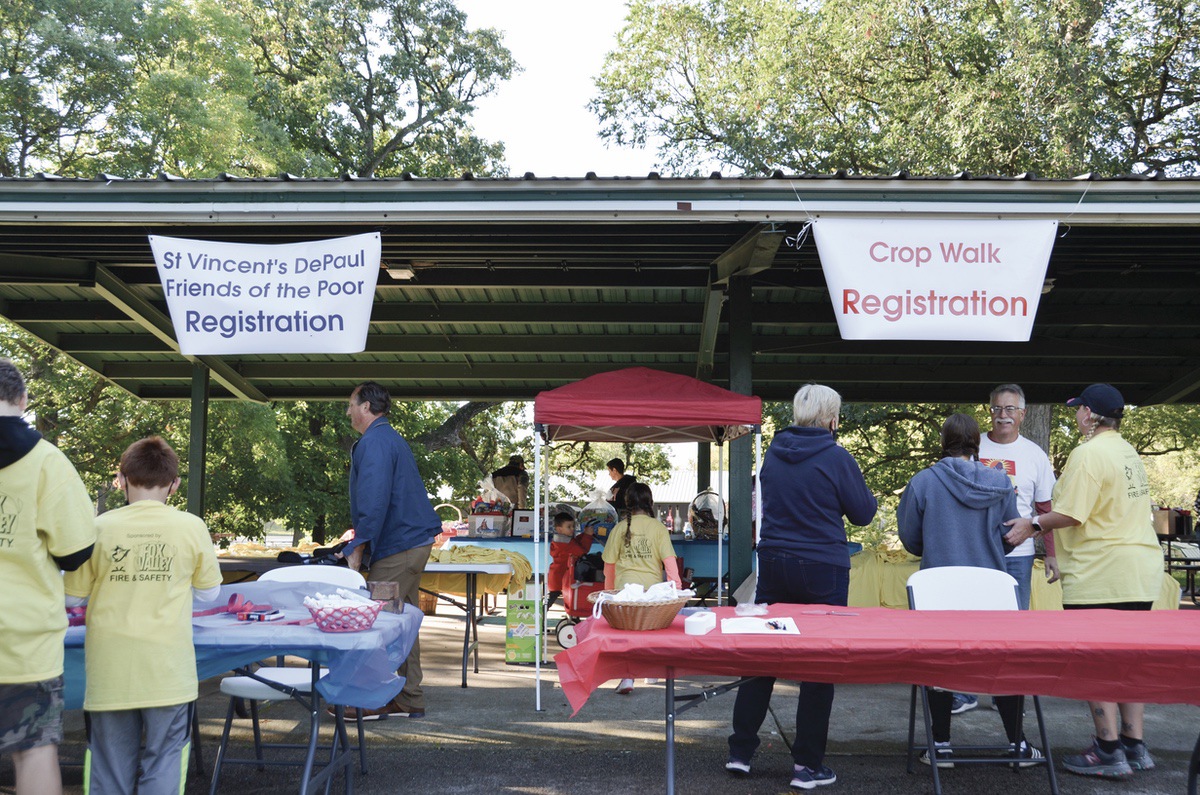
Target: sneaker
(625,688)
(1138,756)
(963,703)
(945,756)
(1027,754)
(392,709)
(1092,761)
(737,767)
(808,778)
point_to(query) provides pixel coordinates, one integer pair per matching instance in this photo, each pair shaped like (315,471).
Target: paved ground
(489,738)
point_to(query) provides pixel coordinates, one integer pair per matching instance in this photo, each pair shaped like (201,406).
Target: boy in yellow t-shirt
(141,671)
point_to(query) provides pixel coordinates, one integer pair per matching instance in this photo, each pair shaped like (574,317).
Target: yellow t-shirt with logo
(1113,555)
(642,560)
(139,582)
(44,510)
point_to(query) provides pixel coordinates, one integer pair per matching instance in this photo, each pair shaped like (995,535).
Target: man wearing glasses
(1033,477)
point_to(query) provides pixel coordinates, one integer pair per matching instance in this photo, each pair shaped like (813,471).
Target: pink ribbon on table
(236,604)
(239,604)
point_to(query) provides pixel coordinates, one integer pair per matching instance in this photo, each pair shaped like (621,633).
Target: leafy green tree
(368,87)
(883,85)
(88,418)
(188,110)
(64,64)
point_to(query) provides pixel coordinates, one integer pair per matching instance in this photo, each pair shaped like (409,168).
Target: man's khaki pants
(405,569)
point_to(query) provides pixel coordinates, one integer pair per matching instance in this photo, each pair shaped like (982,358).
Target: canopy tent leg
(721,525)
(540,581)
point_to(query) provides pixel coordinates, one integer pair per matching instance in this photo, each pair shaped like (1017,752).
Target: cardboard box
(1164,521)
(388,592)
(523,520)
(488,525)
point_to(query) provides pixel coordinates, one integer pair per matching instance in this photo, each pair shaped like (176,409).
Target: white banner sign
(934,280)
(293,298)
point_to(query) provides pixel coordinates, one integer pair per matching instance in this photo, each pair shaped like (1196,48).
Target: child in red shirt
(565,549)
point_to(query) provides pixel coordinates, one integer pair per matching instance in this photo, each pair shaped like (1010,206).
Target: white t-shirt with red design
(1029,468)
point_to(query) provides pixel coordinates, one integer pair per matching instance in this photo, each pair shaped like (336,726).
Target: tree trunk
(449,433)
(102,497)
(318,535)
(1037,425)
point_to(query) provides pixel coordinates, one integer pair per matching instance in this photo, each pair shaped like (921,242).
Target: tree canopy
(249,87)
(875,87)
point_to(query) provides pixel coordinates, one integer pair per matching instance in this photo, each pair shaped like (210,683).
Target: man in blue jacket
(394,523)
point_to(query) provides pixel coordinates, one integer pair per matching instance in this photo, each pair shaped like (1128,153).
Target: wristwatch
(1037,526)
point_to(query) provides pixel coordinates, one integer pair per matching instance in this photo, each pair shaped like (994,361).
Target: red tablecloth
(1089,654)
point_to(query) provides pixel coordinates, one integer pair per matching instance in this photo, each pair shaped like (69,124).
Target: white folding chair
(281,684)
(966,588)
(326,575)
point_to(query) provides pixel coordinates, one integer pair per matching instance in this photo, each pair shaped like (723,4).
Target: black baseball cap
(1104,399)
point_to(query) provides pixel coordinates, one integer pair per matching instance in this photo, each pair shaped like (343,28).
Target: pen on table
(827,613)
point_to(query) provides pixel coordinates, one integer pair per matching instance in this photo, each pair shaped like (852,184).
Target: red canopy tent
(638,404)
(643,405)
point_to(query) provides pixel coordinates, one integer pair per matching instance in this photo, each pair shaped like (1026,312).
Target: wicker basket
(345,619)
(638,615)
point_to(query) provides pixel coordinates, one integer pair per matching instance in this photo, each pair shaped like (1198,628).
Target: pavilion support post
(703,466)
(198,441)
(741,451)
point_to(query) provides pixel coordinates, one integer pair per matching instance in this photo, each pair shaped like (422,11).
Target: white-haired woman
(808,483)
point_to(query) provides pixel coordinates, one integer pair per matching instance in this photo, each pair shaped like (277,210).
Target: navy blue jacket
(389,506)
(807,484)
(953,514)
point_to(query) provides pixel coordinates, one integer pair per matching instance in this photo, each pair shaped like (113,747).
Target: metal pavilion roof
(526,284)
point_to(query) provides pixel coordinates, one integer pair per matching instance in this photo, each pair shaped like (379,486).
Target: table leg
(1194,769)
(670,707)
(470,577)
(478,617)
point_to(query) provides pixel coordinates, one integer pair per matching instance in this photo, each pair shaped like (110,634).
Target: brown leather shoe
(392,709)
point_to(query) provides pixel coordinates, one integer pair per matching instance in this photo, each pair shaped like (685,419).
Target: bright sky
(541,114)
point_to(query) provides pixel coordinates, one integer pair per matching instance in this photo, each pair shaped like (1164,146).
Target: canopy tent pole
(724,518)
(540,585)
(755,492)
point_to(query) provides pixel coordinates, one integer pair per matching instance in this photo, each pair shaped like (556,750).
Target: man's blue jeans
(1021,568)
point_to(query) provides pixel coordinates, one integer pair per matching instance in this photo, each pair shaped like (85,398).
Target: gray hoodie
(953,514)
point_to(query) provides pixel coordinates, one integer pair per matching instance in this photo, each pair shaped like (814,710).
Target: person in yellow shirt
(639,550)
(46,525)
(1109,558)
(150,561)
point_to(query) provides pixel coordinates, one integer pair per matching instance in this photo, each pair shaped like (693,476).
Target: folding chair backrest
(962,588)
(330,575)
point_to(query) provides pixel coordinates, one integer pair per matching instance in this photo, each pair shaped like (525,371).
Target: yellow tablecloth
(485,583)
(878,578)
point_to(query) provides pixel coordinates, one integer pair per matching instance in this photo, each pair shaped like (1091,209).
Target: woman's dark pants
(783,577)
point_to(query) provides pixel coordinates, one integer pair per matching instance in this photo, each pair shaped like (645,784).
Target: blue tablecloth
(362,665)
(699,555)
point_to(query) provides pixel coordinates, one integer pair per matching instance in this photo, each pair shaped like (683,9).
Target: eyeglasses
(1009,410)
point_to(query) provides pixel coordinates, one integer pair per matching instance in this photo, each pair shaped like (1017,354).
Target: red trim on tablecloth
(1092,654)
